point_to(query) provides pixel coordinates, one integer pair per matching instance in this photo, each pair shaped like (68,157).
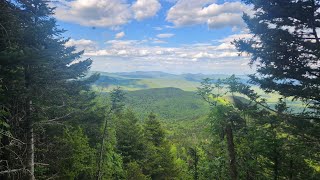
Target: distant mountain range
(155,79)
(158,74)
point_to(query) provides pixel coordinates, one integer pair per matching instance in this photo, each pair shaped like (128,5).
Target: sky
(174,36)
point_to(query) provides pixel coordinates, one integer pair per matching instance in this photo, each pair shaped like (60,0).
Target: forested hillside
(60,120)
(170,104)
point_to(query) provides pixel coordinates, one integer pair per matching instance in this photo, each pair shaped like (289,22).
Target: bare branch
(12,171)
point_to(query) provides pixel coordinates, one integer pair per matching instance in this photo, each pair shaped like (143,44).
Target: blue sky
(175,36)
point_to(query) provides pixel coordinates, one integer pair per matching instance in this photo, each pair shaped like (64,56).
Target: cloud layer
(193,12)
(120,54)
(112,13)
(206,57)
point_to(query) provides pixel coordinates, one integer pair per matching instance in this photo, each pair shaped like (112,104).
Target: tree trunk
(231,152)
(101,149)
(30,143)
(29,127)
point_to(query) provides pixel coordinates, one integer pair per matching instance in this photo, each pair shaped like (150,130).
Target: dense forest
(55,125)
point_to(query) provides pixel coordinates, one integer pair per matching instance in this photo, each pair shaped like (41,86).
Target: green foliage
(130,140)
(117,97)
(112,165)
(74,156)
(265,143)
(159,160)
(153,130)
(134,172)
(42,83)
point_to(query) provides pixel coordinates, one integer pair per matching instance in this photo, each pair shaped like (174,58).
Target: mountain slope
(171,104)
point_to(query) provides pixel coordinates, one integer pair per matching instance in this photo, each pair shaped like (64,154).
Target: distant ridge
(157,74)
(155,79)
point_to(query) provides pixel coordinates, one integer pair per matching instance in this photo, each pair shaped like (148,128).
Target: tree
(159,161)
(153,130)
(134,172)
(73,157)
(40,77)
(193,152)
(225,116)
(130,140)
(285,47)
(264,141)
(116,98)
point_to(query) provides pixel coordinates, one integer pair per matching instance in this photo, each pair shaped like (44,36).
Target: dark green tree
(112,112)
(40,77)
(130,140)
(153,130)
(285,47)
(159,161)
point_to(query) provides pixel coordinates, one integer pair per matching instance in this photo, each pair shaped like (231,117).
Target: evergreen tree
(40,76)
(263,139)
(159,161)
(153,130)
(115,109)
(130,140)
(286,48)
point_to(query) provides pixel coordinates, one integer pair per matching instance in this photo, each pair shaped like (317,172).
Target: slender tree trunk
(231,152)
(30,143)
(29,127)
(100,161)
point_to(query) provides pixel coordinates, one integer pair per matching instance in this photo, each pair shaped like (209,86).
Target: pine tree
(40,76)
(159,161)
(153,130)
(286,47)
(130,140)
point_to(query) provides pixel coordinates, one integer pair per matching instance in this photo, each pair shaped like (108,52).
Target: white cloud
(143,9)
(124,43)
(168,35)
(100,13)
(120,35)
(192,12)
(104,13)
(82,44)
(134,55)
